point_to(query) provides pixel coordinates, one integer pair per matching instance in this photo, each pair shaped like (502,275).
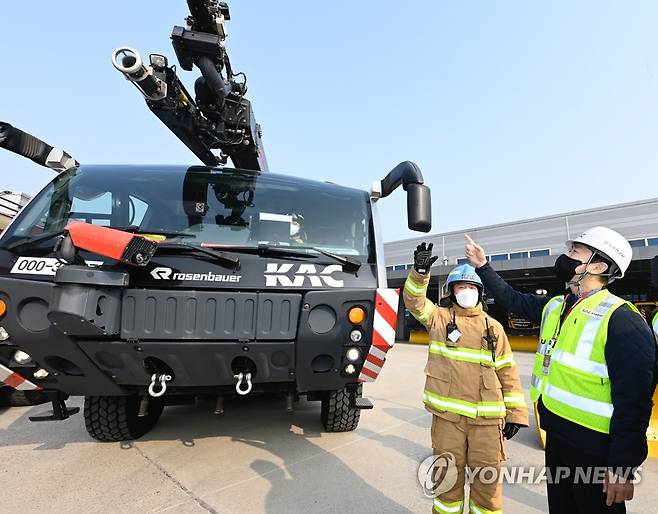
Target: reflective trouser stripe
(448,507)
(474,508)
(579,363)
(414,288)
(468,409)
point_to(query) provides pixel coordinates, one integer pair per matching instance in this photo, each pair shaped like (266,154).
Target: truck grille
(162,315)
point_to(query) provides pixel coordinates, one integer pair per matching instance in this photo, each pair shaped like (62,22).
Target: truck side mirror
(419,208)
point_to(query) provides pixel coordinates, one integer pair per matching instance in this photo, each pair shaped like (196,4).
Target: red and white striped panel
(16,381)
(383,333)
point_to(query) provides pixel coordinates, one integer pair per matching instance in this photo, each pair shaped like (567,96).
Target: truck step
(362,403)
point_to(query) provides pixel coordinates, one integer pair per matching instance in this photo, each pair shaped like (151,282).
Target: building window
(518,255)
(500,257)
(409,266)
(540,253)
(389,268)
(463,260)
(636,243)
(653,241)
(399,267)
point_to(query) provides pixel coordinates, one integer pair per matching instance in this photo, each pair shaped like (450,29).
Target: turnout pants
(480,447)
(571,494)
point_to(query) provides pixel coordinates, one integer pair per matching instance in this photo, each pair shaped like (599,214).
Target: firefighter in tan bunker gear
(472,386)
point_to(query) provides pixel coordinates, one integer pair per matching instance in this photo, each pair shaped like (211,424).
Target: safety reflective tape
(450,507)
(426,311)
(514,400)
(414,288)
(476,509)
(586,339)
(460,354)
(465,408)
(390,296)
(377,353)
(580,364)
(505,360)
(494,407)
(550,307)
(386,331)
(536,382)
(17,381)
(385,322)
(579,402)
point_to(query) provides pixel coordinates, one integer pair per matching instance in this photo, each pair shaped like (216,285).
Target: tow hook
(247,379)
(163,379)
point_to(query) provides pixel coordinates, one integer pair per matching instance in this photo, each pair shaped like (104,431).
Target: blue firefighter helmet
(464,273)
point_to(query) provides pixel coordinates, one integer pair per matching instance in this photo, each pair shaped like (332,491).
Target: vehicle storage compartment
(204,315)
(194,364)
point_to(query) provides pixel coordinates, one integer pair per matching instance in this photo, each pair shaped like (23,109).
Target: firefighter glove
(510,430)
(423,259)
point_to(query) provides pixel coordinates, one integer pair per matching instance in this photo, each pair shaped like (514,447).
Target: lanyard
(563,316)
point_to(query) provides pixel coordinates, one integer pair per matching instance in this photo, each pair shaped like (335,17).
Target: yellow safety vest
(577,385)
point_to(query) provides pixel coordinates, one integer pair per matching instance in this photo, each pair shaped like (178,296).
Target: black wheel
(337,416)
(18,398)
(114,418)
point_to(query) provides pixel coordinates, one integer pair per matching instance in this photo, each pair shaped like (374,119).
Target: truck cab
(259,282)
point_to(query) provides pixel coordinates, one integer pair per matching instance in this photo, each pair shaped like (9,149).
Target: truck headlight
(4,335)
(41,373)
(353,354)
(21,357)
(350,369)
(356,336)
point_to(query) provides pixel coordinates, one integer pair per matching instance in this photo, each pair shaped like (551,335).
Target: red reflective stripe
(14,380)
(380,342)
(377,362)
(369,373)
(386,312)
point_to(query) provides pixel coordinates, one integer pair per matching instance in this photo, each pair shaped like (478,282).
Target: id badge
(546,364)
(454,336)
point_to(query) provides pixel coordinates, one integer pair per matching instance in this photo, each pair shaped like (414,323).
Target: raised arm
(530,306)
(415,288)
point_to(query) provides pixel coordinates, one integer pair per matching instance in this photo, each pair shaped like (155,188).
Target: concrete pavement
(254,458)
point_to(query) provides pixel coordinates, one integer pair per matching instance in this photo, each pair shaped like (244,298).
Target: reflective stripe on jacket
(464,378)
(577,386)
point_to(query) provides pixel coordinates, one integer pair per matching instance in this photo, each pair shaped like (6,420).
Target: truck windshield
(205,205)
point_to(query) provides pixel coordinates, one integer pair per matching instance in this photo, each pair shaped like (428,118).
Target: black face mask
(565,267)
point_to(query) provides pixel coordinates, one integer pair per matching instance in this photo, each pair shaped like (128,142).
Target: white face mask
(468,298)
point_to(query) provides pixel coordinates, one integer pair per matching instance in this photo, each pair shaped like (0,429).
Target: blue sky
(512,109)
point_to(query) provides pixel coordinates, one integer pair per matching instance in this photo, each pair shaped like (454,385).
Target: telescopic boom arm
(26,145)
(219,116)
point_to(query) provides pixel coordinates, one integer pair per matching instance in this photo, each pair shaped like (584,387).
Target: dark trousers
(573,493)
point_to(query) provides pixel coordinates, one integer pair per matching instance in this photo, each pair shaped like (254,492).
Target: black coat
(630,355)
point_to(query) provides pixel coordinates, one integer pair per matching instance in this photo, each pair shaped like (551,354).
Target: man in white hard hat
(593,376)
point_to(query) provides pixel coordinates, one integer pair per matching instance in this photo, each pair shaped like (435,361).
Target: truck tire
(336,414)
(114,418)
(18,398)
